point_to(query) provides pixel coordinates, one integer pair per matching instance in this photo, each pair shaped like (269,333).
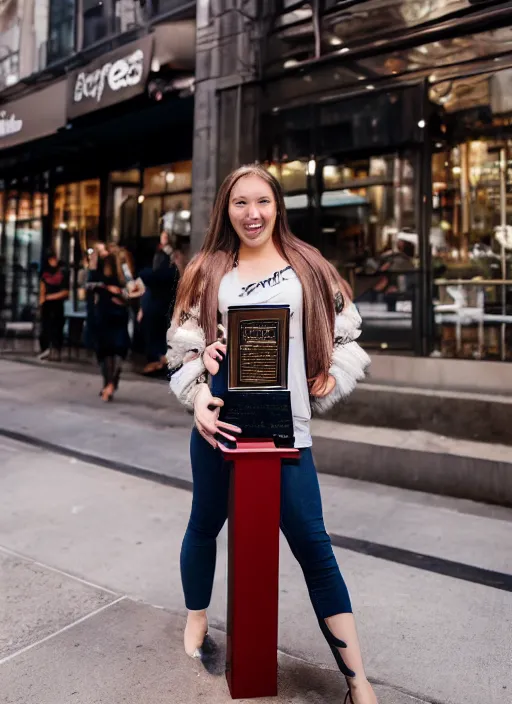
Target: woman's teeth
(255,228)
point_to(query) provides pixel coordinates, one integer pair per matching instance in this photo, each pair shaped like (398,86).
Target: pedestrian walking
(251,257)
(107,279)
(53,291)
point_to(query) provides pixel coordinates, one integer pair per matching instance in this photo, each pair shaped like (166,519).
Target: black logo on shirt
(274,280)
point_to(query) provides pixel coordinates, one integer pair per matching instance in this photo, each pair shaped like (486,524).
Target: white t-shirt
(280,288)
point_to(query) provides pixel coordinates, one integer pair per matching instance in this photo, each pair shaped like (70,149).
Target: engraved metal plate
(259,352)
(258,340)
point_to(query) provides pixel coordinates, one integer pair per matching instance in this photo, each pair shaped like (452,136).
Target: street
(91,608)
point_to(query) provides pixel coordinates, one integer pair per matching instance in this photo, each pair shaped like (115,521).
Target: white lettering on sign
(123,73)
(9,125)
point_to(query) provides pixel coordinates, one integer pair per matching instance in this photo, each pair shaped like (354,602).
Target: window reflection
(361,214)
(344,25)
(61,32)
(124,189)
(22,237)
(167,201)
(472,245)
(75,226)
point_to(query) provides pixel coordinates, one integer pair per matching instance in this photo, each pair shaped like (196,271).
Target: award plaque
(257,399)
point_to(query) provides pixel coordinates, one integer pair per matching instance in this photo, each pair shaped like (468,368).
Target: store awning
(111,78)
(36,115)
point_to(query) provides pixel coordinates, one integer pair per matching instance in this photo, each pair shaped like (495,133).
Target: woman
(108,278)
(160,291)
(53,291)
(250,257)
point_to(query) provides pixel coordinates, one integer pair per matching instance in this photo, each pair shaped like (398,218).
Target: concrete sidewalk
(111,648)
(61,408)
(76,538)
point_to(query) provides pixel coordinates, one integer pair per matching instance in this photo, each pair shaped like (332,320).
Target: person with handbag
(250,257)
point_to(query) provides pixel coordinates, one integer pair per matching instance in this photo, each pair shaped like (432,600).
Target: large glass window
(343,26)
(472,243)
(10,33)
(61,34)
(361,214)
(75,225)
(128,14)
(21,247)
(161,7)
(101,18)
(124,190)
(166,196)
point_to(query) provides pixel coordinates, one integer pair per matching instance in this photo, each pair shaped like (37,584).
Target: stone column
(226,119)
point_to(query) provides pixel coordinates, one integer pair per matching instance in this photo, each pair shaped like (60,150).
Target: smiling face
(252,211)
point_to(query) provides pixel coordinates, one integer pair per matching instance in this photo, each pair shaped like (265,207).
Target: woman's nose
(254,211)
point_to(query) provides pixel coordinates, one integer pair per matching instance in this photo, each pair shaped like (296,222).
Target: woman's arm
(42,293)
(60,296)
(349,361)
(185,347)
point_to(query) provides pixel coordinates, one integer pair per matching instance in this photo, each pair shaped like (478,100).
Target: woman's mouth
(253,229)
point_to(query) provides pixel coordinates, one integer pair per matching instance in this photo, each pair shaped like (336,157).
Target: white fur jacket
(186,344)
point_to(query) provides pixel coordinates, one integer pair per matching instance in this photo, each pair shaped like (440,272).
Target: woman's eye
(264,201)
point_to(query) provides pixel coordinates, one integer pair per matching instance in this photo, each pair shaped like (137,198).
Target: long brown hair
(113,262)
(320,280)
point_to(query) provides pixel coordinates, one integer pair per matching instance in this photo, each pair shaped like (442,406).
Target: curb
(458,476)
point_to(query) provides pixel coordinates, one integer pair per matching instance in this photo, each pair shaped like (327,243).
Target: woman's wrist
(200,387)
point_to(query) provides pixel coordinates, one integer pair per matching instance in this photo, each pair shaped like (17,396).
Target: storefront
(391,133)
(24,201)
(115,165)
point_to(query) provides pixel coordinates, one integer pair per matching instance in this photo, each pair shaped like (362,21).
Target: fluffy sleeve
(349,361)
(185,346)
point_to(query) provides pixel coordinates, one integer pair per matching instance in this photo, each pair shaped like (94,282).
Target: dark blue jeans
(301,522)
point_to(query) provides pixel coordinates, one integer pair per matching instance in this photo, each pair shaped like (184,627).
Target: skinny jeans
(301,522)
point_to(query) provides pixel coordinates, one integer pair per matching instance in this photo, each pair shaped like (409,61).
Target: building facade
(96,123)
(388,123)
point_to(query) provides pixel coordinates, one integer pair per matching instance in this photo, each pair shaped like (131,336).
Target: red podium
(253,566)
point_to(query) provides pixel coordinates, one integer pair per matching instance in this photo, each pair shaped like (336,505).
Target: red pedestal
(253,567)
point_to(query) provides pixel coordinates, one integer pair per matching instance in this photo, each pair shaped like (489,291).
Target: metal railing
(464,302)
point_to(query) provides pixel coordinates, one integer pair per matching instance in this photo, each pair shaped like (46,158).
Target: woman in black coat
(157,302)
(112,341)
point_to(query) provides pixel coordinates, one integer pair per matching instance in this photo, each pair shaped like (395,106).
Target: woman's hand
(114,290)
(206,416)
(135,288)
(212,355)
(320,386)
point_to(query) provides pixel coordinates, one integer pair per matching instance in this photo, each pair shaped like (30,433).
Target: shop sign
(37,115)
(110,79)
(9,124)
